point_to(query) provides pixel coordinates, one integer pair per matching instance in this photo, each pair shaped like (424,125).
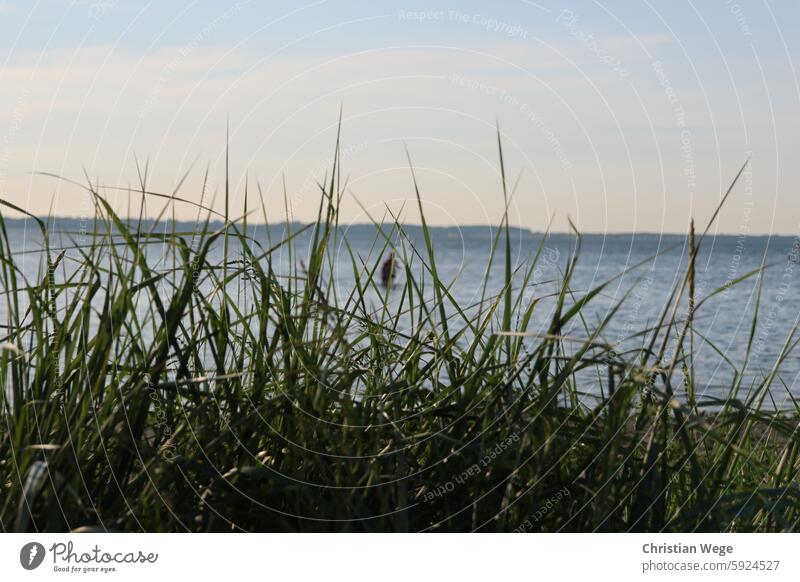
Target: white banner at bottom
(399,557)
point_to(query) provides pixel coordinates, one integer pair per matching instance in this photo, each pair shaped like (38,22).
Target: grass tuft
(151,383)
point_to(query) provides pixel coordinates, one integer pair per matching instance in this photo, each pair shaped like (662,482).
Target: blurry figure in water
(387,271)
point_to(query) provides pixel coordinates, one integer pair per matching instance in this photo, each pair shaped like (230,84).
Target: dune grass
(190,394)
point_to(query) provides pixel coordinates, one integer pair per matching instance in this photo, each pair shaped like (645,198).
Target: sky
(619,116)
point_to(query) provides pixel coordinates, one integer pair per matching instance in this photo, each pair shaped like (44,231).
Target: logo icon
(31,555)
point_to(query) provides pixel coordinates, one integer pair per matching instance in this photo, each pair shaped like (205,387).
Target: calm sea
(643,269)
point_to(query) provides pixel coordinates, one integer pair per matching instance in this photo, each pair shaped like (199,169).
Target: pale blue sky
(623,115)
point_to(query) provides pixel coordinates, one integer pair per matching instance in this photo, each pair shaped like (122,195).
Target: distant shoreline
(18,221)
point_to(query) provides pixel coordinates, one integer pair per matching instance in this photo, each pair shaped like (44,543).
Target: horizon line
(24,218)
